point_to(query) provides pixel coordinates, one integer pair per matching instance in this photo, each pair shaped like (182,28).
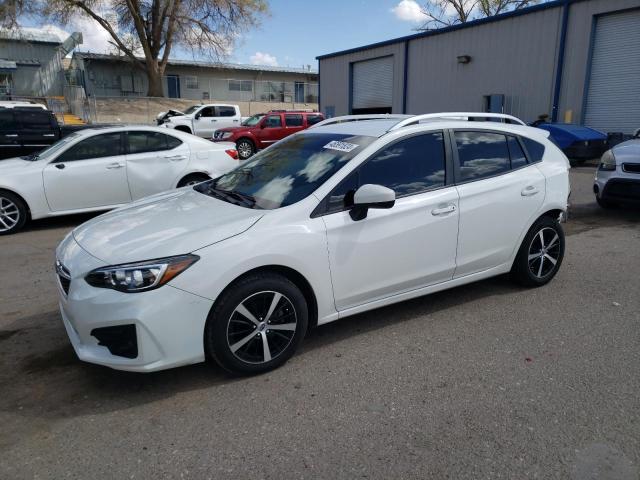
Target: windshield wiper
(231,196)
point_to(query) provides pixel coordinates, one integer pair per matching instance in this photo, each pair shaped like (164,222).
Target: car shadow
(63,221)
(50,382)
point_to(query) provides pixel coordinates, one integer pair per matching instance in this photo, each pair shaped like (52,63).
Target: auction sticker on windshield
(341,146)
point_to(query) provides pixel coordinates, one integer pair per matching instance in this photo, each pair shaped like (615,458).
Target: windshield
(253,120)
(286,172)
(54,148)
(192,109)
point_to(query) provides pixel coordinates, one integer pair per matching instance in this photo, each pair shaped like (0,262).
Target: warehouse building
(577,61)
(31,62)
(105,75)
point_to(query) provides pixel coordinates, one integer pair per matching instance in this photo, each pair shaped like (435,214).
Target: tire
(13,213)
(183,129)
(605,203)
(237,342)
(245,148)
(193,179)
(538,262)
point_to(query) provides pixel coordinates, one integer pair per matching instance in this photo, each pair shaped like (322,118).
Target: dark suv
(263,129)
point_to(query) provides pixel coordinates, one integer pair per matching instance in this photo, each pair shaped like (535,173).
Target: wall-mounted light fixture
(464,59)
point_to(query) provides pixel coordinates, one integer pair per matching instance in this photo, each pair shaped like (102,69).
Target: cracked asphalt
(488,380)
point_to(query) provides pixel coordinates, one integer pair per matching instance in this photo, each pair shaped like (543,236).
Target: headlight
(142,276)
(608,161)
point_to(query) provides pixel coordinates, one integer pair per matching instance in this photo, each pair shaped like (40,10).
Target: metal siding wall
(334,81)
(47,79)
(613,98)
(577,51)
(515,57)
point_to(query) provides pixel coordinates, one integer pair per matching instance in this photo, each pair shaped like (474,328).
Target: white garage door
(373,83)
(613,99)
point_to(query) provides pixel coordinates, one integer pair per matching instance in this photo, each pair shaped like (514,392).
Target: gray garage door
(613,99)
(373,83)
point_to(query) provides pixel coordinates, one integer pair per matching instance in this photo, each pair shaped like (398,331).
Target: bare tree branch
(441,13)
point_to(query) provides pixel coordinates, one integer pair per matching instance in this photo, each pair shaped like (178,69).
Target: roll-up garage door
(373,84)
(613,98)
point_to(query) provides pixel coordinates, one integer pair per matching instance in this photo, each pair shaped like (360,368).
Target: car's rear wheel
(13,213)
(540,254)
(257,324)
(245,148)
(193,179)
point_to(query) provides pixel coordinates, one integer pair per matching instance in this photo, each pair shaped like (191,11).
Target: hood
(627,152)
(11,164)
(172,223)
(170,113)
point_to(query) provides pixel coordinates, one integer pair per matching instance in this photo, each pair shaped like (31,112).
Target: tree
(443,13)
(152,28)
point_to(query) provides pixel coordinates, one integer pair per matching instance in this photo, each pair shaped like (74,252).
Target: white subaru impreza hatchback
(336,220)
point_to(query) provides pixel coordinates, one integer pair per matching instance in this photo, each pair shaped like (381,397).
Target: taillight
(232,153)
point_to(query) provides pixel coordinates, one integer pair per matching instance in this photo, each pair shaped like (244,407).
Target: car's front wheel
(193,179)
(605,203)
(13,213)
(256,324)
(540,254)
(245,148)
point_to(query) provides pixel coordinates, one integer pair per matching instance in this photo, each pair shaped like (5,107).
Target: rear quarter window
(535,150)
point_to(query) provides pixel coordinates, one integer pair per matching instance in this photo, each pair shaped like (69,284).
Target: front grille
(622,189)
(121,340)
(631,167)
(64,276)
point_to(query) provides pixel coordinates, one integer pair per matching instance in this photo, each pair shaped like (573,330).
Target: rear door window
(481,155)
(291,120)
(226,111)
(144,142)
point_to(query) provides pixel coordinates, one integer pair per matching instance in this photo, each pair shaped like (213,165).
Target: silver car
(618,176)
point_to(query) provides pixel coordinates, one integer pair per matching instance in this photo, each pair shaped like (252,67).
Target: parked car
(618,176)
(21,104)
(327,223)
(29,128)
(104,168)
(576,141)
(264,129)
(201,120)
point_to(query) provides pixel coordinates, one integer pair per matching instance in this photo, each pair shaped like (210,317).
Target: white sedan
(104,168)
(329,222)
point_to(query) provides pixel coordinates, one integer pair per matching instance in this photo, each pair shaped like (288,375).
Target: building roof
(34,35)
(196,63)
(473,23)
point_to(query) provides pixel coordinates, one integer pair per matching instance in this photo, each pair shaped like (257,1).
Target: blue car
(576,141)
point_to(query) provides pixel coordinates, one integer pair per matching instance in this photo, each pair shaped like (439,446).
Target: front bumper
(166,324)
(617,186)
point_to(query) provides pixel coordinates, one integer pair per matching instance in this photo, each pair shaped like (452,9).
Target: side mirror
(371,196)
(198,115)
(263,125)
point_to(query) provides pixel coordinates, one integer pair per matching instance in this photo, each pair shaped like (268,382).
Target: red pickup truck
(263,129)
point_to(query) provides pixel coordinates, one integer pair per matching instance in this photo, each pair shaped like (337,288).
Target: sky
(295,32)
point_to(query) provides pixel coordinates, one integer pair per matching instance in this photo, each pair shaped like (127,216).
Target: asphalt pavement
(488,380)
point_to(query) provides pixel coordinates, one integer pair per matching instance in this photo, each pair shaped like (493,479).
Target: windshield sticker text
(341,146)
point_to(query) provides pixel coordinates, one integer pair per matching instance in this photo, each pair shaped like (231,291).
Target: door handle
(443,210)
(529,191)
(113,166)
(175,158)
(12,135)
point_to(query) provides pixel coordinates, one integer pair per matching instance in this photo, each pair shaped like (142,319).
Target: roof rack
(465,116)
(357,118)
